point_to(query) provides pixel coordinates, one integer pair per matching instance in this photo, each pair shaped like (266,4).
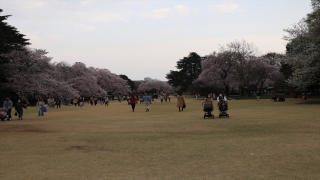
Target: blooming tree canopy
(31,74)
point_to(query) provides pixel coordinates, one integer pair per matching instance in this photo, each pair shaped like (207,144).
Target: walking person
(181,103)
(147,101)
(133,101)
(208,99)
(221,98)
(19,108)
(8,105)
(80,103)
(39,106)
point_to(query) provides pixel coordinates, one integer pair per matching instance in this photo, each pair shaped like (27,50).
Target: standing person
(52,102)
(133,101)
(119,98)
(146,101)
(91,101)
(258,95)
(39,105)
(67,101)
(95,101)
(161,98)
(80,103)
(79,100)
(58,103)
(8,105)
(106,101)
(19,108)
(181,103)
(75,101)
(154,97)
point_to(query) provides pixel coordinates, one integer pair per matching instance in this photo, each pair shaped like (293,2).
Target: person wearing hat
(146,101)
(8,105)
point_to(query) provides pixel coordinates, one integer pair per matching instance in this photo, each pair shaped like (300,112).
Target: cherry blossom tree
(243,61)
(217,71)
(159,86)
(264,72)
(29,74)
(302,50)
(111,82)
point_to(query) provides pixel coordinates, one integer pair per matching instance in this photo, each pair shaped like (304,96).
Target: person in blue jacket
(147,101)
(8,105)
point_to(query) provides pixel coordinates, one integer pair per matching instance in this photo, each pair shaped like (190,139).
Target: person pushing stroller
(221,98)
(223,105)
(208,107)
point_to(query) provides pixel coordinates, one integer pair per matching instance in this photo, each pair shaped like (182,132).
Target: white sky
(141,38)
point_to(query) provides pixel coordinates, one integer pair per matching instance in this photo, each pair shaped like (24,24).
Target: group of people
(5,112)
(278,99)
(147,100)
(133,99)
(222,103)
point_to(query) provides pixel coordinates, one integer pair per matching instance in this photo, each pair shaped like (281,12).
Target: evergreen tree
(189,69)
(10,39)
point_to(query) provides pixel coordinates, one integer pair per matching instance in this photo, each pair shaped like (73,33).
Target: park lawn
(261,140)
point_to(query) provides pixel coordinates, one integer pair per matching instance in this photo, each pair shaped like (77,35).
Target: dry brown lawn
(260,140)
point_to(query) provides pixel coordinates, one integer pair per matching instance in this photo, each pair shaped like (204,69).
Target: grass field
(260,140)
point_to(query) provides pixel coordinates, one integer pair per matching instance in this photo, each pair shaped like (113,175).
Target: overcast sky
(141,38)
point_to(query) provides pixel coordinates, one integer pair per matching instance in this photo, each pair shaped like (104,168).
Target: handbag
(44,109)
(184,105)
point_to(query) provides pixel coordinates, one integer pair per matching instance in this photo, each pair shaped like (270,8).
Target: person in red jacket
(133,101)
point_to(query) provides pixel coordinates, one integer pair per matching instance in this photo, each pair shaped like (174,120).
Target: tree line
(238,67)
(29,73)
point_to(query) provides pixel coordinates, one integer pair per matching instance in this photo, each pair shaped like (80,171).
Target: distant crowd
(133,99)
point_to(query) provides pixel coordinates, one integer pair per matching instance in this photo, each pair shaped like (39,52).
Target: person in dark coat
(19,108)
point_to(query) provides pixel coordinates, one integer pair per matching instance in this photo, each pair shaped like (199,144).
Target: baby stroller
(208,108)
(223,109)
(3,113)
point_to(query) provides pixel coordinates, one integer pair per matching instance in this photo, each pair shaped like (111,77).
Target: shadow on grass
(22,128)
(309,102)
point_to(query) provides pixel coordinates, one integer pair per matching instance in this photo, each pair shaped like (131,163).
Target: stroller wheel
(212,116)
(219,116)
(204,116)
(228,115)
